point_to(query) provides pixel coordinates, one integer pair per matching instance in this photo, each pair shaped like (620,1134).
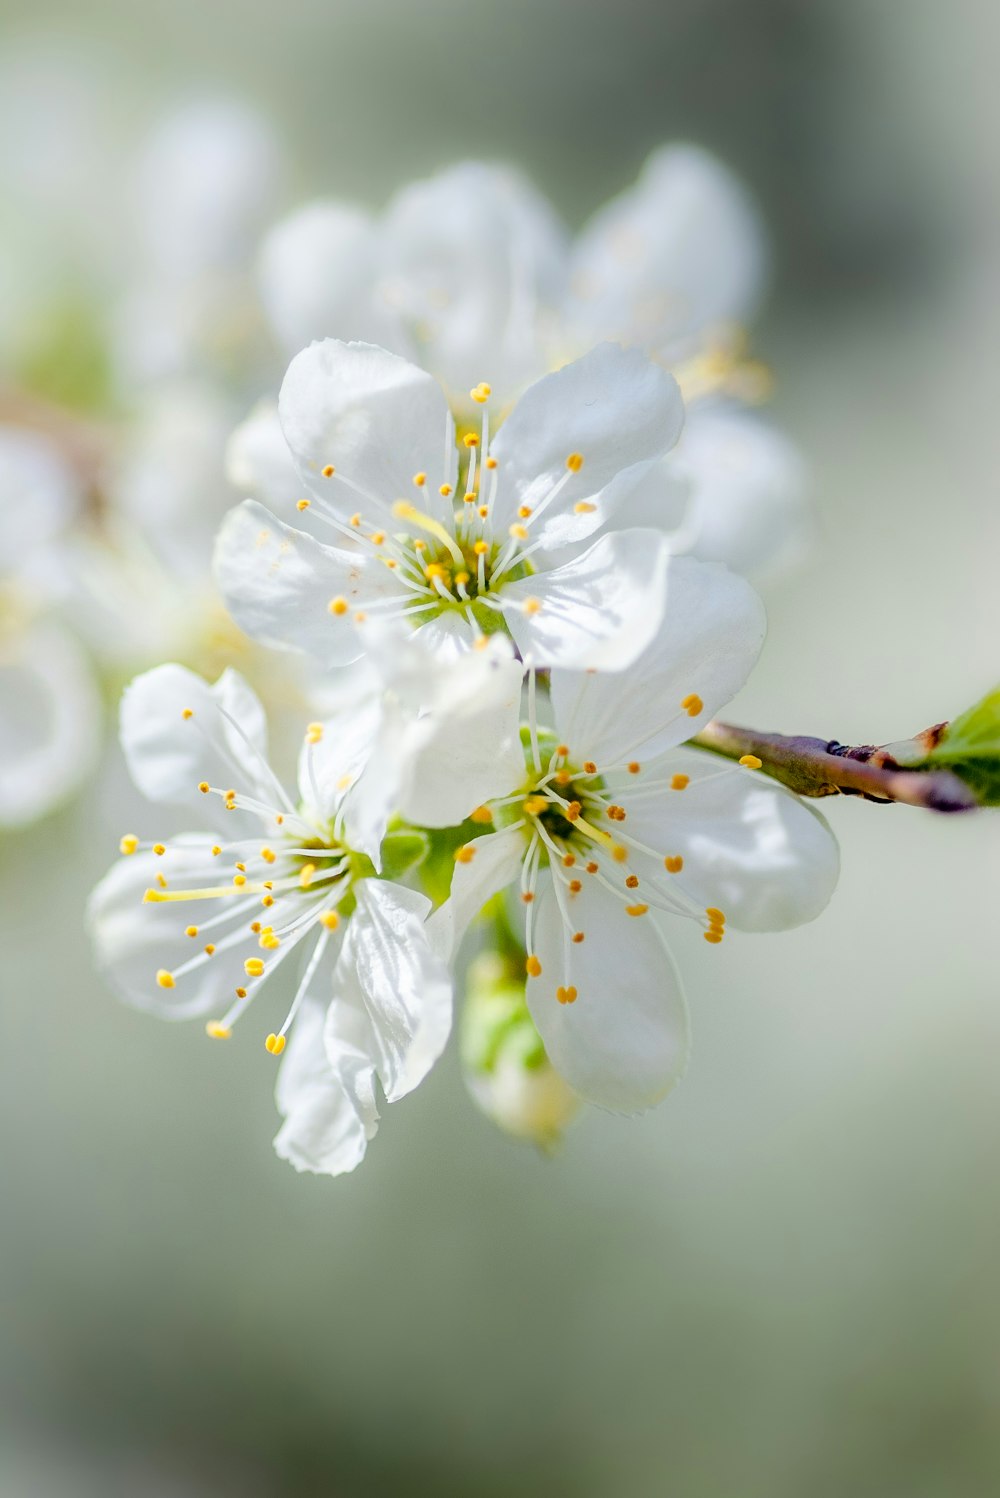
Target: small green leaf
(970,747)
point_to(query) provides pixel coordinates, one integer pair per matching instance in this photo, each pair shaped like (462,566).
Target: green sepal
(970,747)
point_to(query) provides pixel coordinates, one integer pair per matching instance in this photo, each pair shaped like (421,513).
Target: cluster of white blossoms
(490,571)
(505,738)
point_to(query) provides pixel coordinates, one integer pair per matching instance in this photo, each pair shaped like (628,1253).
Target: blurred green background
(786,1281)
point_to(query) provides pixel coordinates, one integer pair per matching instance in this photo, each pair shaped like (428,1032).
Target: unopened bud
(506,1069)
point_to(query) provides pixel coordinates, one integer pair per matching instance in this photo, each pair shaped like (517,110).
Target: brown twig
(824,767)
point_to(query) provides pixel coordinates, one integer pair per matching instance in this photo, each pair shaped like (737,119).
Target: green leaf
(970,747)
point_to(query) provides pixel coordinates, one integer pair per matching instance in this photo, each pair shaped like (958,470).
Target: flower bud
(506,1069)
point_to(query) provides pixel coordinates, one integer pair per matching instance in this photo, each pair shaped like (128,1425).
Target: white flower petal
(615,410)
(475,261)
(623,1040)
(175,734)
(377,420)
(328,1107)
(290,591)
(597,612)
(672,259)
(750,847)
(404,986)
(466,749)
(711,634)
(134,941)
(38,495)
(317,275)
(259,464)
(50,719)
(747,482)
(495,863)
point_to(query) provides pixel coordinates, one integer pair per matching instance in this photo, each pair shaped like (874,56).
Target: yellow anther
(269,943)
(693,705)
(329,471)
(355,519)
(574,462)
(255,927)
(253,967)
(524,511)
(578,936)
(470,497)
(435,569)
(420,479)
(673,863)
(275,1044)
(216,850)
(573,811)
(713,936)
(750,761)
(715,914)
(636,909)
(242,867)
(303,504)
(589,768)
(159,849)
(471,440)
(445,491)
(480,394)
(617,813)
(360,617)
(632,882)
(210,950)
(377,537)
(267,901)
(314,733)
(128,844)
(239,880)
(633,767)
(187,712)
(518,532)
(204,787)
(566,995)
(191,931)
(619,853)
(217,1031)
(165,979)
(533,967)
(241,993)
(679,782)
(484,511)
(562,750)
(575,886)
(569,859)
(527,896)
(584,507)
(268,855)
(461,578)
(305,875)
(481,548)
(491,463)
(534,805)
(465,854)
(330,919)
(531,606)
(563,777)
(279,818)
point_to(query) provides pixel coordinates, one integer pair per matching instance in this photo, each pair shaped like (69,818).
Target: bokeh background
(786,1281)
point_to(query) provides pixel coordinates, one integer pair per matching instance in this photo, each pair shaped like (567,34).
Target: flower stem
(824,767)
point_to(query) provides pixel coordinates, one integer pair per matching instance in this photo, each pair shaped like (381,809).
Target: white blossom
(198,924)
(617,827)
(460,541)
